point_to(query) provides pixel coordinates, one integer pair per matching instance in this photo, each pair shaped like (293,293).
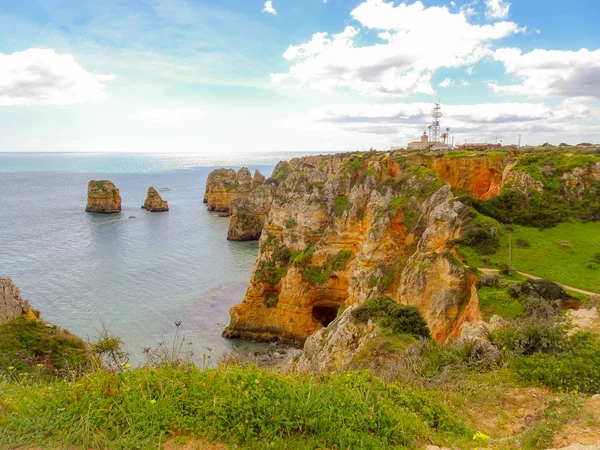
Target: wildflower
(153,401)
(122,364)
(11,367)
(127,366)
(480,437)
(40,365)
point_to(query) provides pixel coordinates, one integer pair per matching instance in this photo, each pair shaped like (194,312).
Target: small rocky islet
(154,202)
(104,197)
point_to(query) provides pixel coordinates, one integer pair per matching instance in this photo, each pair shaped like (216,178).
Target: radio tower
(436,113)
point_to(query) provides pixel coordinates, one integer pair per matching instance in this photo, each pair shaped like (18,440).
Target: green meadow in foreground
(249,406)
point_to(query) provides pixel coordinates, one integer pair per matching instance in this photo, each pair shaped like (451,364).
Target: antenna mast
(436,114)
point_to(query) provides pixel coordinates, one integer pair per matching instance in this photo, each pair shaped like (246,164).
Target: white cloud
(496,9)
(464,83)
(470,70)
(550,72)
(44,77)
(446,83)
(404,63)
(170,116)
(404,122)
(269,8)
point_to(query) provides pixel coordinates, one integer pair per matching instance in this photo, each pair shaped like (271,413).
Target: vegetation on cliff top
(29,346)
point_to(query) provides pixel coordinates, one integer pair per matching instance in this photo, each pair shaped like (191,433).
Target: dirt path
(533,277)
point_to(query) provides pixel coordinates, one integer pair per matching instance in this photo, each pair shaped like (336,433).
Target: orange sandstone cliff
(341,229)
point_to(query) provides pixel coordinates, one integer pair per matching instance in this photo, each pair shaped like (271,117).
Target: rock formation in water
(103,197)
(12,305)
(223,186)
(154,201)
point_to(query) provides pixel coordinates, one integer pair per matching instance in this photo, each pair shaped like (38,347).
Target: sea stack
(103,197)
(154,202)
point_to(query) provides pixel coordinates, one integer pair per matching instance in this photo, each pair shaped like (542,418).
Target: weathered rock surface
(154,201)
(224,186)
(575,183)
(12,305)
(103,197)
(332,348)
(248,214)
(524,183)
(482,176)
(344,228)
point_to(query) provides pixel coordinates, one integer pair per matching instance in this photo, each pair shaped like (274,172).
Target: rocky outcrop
(154,201)
(575,183)
(523,183)
(248,214)
(344,228)
(12,305)
(223,186)
(481,175)
(333,348)
(103,197)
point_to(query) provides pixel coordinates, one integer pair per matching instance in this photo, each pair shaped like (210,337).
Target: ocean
(137,276)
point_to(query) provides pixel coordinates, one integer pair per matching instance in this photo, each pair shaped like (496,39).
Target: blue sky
(212,76)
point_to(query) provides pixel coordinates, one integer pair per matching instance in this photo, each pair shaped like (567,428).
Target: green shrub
(481,240)
(269,272)
(300,257)
(320,274)
(522,243)
(341,205)
(526,337)
(545,289)
(575,369)
(290,223)
(271,300)
(402,319)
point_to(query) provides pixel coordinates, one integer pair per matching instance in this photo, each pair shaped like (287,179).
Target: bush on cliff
(402,319)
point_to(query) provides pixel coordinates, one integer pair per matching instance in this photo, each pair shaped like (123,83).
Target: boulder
(103,197)
(154,202)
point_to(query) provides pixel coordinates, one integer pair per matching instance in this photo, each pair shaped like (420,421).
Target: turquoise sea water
(140,275)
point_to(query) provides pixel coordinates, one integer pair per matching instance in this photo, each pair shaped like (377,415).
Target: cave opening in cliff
(325,314)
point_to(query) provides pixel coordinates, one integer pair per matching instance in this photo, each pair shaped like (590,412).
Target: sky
(218,76)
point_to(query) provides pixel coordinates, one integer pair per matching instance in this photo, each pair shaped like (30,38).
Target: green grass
(250,407)
(30,347)
(546,257)
(496,300)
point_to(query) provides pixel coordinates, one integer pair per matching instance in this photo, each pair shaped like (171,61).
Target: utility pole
(519,146)
(510,250)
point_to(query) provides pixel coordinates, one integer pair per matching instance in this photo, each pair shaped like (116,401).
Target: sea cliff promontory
(341,229)
(103,197)
(337,230)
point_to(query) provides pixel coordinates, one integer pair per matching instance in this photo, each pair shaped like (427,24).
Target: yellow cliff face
(344,228)
(154,202)
(103,197)
(224,186)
